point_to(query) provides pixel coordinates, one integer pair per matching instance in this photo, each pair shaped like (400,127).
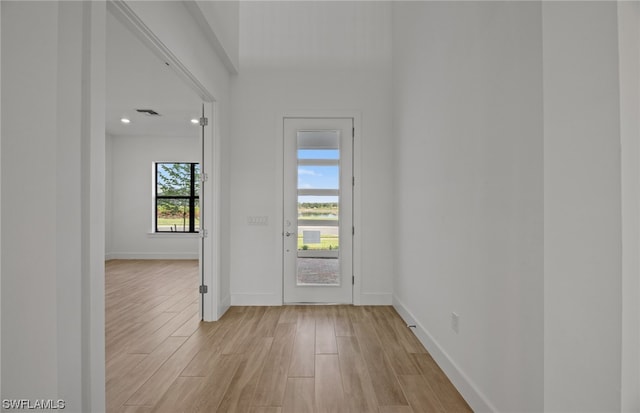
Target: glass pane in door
(318,254)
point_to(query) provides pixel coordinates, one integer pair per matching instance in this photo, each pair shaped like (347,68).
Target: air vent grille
(148,112)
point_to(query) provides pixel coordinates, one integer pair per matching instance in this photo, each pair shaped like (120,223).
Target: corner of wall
(629,47)
(223,306)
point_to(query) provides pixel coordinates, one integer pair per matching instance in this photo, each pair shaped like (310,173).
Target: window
(177,202)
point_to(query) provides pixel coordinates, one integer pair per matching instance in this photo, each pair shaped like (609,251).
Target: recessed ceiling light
(125,120)
(195,121)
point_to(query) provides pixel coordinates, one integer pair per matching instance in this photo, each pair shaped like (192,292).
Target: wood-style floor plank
(272,383)
(404,334)
(153,389)
(358,389)
(328,384)
(299,396)
(422,398)
(240,341)
(385,382)
(137,409)
(395,409)
(208,355)
(217,383)
(265,409)
(449,397)
(120,388)
(303,356)
(342,322)
(180,396)
(121,364)
(399,359)
(149,343)
(161,358)
(239,396)
(325,336)
(269,321)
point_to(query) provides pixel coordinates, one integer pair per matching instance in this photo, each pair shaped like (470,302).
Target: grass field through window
(317,211)
(327,242)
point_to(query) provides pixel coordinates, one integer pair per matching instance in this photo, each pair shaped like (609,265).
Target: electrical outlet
(455,322)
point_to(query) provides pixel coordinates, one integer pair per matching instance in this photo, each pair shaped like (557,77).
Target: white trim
(319,192)
(357,195)
(151,256)
(211,210)
(357,205)
(266,299)
(0,210)
(94,228)
(376,299)
(319,162)
(469,391)
(169,235)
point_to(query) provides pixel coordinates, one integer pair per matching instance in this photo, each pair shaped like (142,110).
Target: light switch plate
(258,220)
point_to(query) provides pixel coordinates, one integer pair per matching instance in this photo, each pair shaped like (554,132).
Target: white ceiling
(138,79)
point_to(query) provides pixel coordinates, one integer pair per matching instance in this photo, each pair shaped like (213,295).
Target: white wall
(27,283)
(130,178)
(48,307)
(582,218)
(511,119)
(467,81)
(331,56)
(53,66)
(629,38)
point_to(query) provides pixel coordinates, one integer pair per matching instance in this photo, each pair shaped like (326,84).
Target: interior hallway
(160,357)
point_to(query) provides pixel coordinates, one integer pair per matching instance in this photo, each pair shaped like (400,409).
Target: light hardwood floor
(161,358)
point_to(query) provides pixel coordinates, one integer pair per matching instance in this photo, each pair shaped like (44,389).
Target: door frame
(279,192)
(210,247)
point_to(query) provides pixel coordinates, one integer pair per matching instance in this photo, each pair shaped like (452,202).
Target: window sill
(173,235)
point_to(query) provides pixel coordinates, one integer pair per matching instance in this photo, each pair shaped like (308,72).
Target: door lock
(288,234)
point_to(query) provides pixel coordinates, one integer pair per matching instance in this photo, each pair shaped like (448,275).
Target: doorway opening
(152,131)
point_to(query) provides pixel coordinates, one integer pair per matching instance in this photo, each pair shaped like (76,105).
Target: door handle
(288,234)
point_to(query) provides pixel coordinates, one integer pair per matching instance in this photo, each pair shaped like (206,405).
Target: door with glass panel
(318,210)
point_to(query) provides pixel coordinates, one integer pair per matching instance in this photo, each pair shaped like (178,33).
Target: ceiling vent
(148,112)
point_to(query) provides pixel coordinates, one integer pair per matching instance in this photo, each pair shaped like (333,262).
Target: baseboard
(151,256)
(256,299)
(476,400)
(376,299)
(275,299)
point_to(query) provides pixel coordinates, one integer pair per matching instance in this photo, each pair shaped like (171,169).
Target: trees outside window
(177,197)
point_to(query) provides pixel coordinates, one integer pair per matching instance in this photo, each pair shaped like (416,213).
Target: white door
(318,210)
